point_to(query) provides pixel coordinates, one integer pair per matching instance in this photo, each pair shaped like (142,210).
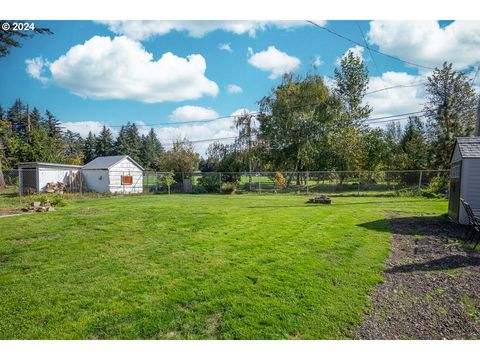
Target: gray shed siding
(470,189)
(466,153)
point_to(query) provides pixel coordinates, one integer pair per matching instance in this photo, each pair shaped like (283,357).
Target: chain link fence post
(358,183)
(220,182)
(307,175)
(420,181)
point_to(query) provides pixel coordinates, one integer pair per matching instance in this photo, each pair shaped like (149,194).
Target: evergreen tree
(450,109)
(129,142)
(35,119)
(414,145)
(75,145)
(152,150)
(52,125)
(121,144)
(134,142)
(105,144)
(4,129)
(89,152)
(17,116)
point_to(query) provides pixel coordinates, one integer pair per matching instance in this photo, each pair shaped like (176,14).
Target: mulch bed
(432,285)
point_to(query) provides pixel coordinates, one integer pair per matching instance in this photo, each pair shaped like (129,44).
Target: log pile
(322,199)
(55,187)
(37,207)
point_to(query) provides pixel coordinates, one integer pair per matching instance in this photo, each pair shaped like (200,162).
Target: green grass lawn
(196,266)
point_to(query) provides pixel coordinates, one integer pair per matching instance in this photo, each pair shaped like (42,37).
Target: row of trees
(28,135)
(302,125)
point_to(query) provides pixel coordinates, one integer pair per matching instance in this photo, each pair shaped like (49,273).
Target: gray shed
(115,174)
(464,178)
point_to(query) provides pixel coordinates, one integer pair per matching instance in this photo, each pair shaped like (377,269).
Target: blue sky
(91,73)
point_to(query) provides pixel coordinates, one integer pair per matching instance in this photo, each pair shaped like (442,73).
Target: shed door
(29,181)
(454,193)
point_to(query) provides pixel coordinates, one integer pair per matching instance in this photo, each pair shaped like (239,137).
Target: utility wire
(394,116)
(396,119)
(254,112)
(396,86)
(475,76)
(185,122)
(367,47)
(376,66)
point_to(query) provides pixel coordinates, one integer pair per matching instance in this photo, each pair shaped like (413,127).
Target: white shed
(464,178)
(33,177)
(115,174)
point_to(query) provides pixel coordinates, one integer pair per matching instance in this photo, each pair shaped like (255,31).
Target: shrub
(437,188)
(167,180)
(229,188)
(58,200)
(280,181)
(209,182)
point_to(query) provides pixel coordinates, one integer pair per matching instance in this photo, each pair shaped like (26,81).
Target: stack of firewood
(55,187)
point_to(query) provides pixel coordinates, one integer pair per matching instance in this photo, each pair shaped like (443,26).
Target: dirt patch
(9,212)
(432,285)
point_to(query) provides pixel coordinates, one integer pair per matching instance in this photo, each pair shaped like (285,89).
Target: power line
(204,140)
(184,122)
(396,86)
(253,112)
(375,63)
(475,76)
(368,47)
(394,116)
(395,119)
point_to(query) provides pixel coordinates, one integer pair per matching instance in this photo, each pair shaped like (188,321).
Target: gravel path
(431,288)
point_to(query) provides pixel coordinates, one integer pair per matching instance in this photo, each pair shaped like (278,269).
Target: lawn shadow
(333,204)
(417,225)
(444,263)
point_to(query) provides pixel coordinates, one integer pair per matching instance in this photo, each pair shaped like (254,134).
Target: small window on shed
(455,171)
(127,180)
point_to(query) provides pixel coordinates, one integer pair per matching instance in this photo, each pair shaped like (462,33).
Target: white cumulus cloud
(84,127)
(426,43)
(234,89)
(408,94)
(145,29)
(274,61)
(317,62)
(120,68)
(192,113)
(225,47)
(35,68)
(357,50)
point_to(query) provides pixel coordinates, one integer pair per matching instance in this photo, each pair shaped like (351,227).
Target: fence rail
(30,181)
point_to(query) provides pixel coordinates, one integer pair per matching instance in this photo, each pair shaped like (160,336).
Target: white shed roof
(45,164)
(106,162)
(469,147)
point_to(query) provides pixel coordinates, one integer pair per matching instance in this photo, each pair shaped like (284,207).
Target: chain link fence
(27,182)
(315,182)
